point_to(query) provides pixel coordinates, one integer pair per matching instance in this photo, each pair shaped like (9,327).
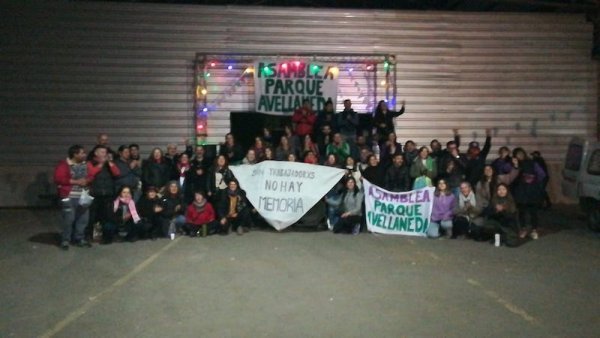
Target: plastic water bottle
(172,230)
(497,240)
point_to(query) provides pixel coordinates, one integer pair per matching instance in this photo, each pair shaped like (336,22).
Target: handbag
(85,200)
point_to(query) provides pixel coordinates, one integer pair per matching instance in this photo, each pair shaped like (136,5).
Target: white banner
(282,192)
(398,213)
(281,86)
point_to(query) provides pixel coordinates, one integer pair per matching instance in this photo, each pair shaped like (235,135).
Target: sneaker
(533,234)
(84,244)
(356,229)
(240,230)
(64,245)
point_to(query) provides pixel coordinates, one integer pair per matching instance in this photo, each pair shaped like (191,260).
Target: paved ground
(298,284)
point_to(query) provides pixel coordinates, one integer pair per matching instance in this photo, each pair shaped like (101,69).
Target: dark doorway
(245,126)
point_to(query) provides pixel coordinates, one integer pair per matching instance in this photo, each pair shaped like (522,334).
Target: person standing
(232,150)
(528,191)
(347,122)
(383,119)
(102,172)
(70,177)
(304,119)
(397,177)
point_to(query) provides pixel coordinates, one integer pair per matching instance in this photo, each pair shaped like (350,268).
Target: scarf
(183,168)
(130,205)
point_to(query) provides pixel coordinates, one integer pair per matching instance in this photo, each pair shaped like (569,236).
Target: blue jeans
(74,216)
(434,228)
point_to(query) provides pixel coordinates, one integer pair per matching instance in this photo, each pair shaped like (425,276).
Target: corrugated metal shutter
(72,70)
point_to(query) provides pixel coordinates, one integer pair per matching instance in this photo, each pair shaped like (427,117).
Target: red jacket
(192,215)
(304,123)
(62,178)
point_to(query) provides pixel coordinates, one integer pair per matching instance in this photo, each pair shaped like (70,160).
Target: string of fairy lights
(205,68)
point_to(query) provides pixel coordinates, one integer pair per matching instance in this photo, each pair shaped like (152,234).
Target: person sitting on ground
(339,148)
(123,216)
(528,191)
(442,212)
(234,210)
(149,208)
(502,218)
(397,177)
(486,186)
(200,217)
(466,212)
(350,209)
(304,119)
(171,217)
(70,177)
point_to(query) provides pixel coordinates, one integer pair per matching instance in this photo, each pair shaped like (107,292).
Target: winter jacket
(304,122)
(351,203)
(193,216)
(103,184)
(418,167)
(347,123)
(156,174)
(126,177)
(443,207)
(397,179)
(528,186)
(63,173)
(386,118)
(223,205)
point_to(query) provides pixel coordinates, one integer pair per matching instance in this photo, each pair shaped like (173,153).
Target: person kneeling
(200,217)
(350,209)
(233,208)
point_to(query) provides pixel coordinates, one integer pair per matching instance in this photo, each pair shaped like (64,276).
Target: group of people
(193,193)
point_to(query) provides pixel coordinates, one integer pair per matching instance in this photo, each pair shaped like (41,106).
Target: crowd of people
(189,192)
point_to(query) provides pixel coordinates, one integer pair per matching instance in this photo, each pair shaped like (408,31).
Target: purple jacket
(443,206)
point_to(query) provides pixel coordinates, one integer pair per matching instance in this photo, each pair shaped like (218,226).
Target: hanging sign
(280,87)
